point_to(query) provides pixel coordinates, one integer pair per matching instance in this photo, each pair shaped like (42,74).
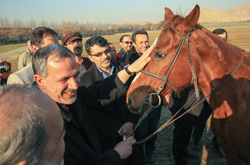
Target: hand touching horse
(185,49)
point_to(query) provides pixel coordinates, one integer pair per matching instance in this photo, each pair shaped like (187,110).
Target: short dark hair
(39,59)
(39,33)
(138,32)
(95,40)
(22,131)
(121,39)
(220,31)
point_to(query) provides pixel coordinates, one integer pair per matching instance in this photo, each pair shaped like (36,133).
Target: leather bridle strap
(194,75)
(166,74)
(160,78)
(173,119)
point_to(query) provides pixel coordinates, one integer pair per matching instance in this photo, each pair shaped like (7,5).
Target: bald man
(26,132)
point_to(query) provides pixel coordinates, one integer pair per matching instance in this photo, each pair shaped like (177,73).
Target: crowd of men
(66,107)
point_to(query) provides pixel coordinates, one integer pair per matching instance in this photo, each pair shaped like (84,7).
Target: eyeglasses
(74,42)
(127,42)
(99,54)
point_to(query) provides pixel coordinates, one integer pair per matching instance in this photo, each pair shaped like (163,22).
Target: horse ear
(168,13)
(191,20)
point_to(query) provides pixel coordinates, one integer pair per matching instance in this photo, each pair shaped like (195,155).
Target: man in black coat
(115,121)
(57,75)
(149,125)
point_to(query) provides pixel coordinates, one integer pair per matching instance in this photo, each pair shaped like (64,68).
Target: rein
(165,82)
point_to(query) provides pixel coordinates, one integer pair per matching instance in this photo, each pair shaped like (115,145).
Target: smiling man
(149,125)
(57,74)
(140,45)
(126,45)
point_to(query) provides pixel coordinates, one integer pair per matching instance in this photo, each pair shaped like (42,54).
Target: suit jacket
(132,56)
(117,109)
(111,117)
(82,145)
(25,76)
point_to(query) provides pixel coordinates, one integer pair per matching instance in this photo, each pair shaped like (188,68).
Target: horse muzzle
(154,101)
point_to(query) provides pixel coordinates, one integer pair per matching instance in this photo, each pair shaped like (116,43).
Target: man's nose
(74,83)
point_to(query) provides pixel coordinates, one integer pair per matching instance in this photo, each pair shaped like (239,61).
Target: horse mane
(239,52)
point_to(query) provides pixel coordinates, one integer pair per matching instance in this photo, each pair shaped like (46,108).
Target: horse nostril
(130,102)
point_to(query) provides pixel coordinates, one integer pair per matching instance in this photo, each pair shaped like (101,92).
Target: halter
(166,74)
(165,82)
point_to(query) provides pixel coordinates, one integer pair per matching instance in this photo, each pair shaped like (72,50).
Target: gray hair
(22,130)
(39,59)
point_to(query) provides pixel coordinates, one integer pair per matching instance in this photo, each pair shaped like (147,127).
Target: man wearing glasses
(126,45)
(73,41)
(114,122)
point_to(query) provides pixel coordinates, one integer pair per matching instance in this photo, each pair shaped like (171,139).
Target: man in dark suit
(149,125)
(115,121)
(57,74)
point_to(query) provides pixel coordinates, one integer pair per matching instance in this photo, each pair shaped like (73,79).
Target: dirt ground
(207,155)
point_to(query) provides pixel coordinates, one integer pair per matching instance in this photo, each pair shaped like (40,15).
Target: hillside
(241,13)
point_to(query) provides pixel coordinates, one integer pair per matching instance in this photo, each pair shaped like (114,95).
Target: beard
(78,51)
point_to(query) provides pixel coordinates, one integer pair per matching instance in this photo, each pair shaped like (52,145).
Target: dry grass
(207,155)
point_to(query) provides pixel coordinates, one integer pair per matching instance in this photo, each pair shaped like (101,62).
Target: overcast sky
(104,11)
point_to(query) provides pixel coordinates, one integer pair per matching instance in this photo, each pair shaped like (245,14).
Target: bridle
(164,78)
(165,82)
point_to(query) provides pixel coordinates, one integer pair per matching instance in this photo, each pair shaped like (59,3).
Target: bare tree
(6,22)
(17,23)
(115,28)
(43,23)
(54,25)
(1,22)
(31,23)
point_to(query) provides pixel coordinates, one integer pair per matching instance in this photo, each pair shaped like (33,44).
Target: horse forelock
(173,21)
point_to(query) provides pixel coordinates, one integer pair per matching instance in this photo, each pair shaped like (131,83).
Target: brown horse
(214,61)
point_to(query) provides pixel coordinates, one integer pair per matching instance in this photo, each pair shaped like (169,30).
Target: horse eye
(159,55)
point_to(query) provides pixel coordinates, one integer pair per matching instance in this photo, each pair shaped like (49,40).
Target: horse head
(175,30)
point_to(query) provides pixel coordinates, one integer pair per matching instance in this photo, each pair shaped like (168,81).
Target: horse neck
(217,60)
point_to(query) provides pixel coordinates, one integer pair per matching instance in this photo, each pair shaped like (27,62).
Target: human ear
(40,81)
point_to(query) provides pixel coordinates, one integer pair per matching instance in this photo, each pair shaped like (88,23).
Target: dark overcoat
(82,145)
(112,116)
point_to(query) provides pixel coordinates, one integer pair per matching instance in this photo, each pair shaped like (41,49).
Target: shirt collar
(123,52)
(104,75)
